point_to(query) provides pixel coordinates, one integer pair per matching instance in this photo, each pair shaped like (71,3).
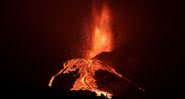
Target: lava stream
(86,69)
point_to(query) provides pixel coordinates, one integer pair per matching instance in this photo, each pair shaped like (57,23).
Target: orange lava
(101,35)
(86,70)
(101,41)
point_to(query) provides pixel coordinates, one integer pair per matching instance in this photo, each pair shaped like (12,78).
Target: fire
(101,34)
(101,41)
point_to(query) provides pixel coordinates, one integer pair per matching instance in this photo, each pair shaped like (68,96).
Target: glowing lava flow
(101,41)
(86,68)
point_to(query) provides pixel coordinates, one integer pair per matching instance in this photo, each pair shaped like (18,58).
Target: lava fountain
(101,36)
(101,41)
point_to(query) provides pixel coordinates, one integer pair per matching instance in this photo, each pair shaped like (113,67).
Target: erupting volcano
(101,40)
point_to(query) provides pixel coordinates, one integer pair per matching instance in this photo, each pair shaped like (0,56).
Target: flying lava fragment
(101,41)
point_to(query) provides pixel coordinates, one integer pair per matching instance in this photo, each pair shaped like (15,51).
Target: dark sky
(39,34)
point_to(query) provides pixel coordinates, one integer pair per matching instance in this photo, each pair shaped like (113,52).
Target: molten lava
(101,38)
(86,69)
(101,34)
(101,41)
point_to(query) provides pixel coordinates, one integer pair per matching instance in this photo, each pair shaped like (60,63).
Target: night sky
(39,34)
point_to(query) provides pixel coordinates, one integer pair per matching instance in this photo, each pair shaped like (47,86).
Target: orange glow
(101,41)
(101,35)
(86,70)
